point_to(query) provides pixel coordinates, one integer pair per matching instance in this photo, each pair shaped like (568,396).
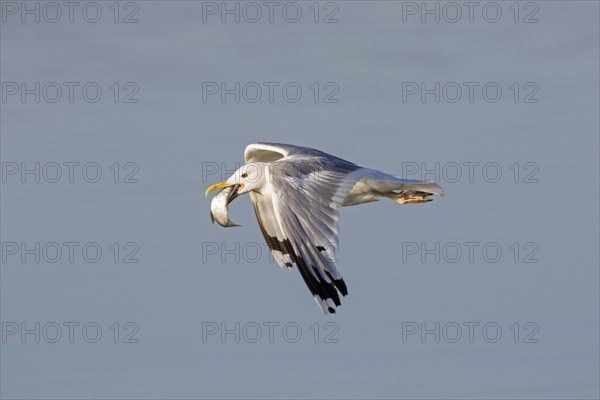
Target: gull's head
(250,177)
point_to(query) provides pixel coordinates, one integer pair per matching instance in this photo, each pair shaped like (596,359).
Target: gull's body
(296,192)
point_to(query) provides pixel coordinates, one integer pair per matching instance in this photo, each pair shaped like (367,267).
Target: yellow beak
(216,186)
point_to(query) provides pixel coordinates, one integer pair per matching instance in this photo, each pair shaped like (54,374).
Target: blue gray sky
(491,291)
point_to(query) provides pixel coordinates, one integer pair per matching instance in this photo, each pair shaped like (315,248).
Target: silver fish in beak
(219,203)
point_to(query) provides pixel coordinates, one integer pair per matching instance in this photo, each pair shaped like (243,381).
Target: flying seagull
(296,193)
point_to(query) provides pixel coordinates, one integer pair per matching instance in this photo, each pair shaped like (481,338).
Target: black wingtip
(341,286)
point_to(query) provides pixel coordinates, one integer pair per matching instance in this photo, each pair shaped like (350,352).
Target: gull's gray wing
(267,152)
(303,217)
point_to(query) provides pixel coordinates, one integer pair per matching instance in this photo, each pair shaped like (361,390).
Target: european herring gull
(296,193)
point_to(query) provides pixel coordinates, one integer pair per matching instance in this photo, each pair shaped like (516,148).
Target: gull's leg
(409,197)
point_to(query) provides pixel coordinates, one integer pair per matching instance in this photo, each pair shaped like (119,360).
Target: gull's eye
(244,175)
